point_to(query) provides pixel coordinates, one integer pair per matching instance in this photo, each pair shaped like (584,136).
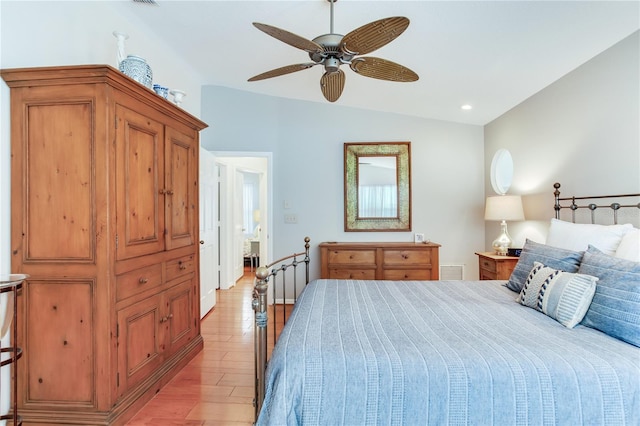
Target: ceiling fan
(332,50)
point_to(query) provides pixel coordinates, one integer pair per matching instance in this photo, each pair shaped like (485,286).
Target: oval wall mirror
(501,171)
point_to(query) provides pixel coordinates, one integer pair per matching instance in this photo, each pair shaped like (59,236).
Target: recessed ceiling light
(466,107)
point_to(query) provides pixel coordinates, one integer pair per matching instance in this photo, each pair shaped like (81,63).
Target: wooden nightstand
(494,267)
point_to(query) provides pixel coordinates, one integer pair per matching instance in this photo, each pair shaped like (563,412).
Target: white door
(208,231)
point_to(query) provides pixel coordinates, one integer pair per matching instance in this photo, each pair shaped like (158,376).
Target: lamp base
(503,242)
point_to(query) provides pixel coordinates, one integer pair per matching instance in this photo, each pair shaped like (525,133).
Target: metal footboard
(278,271)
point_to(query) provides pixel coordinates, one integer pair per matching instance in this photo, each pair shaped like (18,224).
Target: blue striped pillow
(615,309)
(561,295)
(558,258)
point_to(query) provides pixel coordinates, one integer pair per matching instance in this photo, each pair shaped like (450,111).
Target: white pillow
(629,247)
(578,236)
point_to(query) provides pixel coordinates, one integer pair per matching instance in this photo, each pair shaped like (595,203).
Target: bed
(470,352)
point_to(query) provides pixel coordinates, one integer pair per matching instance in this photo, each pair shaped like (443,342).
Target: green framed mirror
(377,186)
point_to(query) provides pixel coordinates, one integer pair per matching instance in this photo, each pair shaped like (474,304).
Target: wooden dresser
(104,192)
(494,267)
(379,261)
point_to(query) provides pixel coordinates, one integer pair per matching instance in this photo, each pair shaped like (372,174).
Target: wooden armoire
(104,193)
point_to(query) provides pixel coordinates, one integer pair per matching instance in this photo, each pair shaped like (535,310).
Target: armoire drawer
(137,281)
(180,266)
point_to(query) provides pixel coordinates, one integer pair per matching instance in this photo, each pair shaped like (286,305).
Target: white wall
(582,131)
(307,138)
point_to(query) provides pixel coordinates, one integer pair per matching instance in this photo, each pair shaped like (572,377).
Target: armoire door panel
(181,182)
(140,184)
(139,342)
(180,325)
(59,180)
(59,332)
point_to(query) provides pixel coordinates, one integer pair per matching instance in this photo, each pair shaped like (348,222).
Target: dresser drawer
(406,257)
(407,274)
(488,265)
(379,261)
(352,274)
(349,257)
(137,281)
(180,266)
(488,275)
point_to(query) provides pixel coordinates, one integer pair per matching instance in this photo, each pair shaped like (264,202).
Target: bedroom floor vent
(451,272)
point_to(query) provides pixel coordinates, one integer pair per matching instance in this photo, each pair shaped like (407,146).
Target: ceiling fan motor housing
(331,49)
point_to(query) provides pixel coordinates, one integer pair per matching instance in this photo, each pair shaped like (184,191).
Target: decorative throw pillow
(563,296)
(565,260)
(615,309)
(629,247)
(578,236)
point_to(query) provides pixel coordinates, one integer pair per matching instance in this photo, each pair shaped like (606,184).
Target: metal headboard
(593,203)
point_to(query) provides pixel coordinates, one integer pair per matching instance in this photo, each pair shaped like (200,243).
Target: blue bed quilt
(442,352)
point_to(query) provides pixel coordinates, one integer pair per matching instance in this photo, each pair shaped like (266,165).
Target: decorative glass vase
(138,69)
(121,37)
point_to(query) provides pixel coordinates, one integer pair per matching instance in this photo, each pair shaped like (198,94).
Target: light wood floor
(217,386)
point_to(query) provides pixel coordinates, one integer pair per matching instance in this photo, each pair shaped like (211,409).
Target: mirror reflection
(377,186)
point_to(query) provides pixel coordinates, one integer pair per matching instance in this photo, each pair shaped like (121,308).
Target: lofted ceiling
(488,54)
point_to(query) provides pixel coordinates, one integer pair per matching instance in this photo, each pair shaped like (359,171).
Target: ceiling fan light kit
(332,50)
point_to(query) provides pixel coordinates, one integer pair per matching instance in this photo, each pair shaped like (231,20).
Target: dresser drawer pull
(181,265)
(485,263)
(143,280)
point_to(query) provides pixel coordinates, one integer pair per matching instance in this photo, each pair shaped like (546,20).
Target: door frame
(266,245)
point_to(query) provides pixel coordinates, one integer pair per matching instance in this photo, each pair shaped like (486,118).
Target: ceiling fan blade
(290,38)
(382,69)
(332,85)
(282,71)
(374,35)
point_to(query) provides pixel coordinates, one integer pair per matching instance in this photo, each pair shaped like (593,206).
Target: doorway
(240,231)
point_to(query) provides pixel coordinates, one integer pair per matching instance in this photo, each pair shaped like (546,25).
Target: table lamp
(502,208)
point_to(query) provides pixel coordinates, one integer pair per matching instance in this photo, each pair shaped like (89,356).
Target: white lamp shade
(504,207)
